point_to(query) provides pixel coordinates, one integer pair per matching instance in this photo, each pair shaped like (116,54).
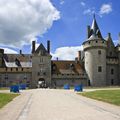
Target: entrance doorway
(42,83)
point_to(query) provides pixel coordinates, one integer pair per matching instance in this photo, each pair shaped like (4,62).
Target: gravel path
(48,104)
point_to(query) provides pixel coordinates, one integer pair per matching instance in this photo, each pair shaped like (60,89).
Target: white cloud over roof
(22,20)
(105,9)
(9,51)
(66,53)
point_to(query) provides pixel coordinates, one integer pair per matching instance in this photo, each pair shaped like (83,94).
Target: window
(25,76)
(99,52)
(112,71)
(99,69)
(73,81)
(41,60)
(6,76)
(16,69)
(110,53)
(89,83)
(38,73)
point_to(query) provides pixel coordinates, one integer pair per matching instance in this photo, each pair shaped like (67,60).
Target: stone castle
(97,65)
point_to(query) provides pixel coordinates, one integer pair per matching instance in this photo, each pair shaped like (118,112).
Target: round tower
(95,56)
(1,57)
(118,49)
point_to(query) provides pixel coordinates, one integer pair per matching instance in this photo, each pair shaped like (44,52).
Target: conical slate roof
(110,41)
(94,30)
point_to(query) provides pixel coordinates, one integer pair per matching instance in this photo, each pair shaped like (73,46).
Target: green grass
(4,88)
(6,97)
(110,96)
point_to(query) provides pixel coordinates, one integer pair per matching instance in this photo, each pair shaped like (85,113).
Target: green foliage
(110,96)
(5,98)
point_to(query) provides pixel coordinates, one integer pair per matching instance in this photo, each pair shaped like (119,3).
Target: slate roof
(20,57)
(67,67)
(95,31)
(17,60)
(22,64)
(41,50)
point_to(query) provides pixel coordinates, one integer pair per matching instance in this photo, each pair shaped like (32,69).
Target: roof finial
(94,15)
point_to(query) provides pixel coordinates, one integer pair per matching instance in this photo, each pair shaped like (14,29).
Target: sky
(63,22)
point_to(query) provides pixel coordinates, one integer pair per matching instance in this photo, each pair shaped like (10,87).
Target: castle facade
(97,65)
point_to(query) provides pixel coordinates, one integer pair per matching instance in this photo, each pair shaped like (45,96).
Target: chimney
(109,35)
(20,52)
(76,60)
(48,46)
(79,55)
(33,46)
(88,31)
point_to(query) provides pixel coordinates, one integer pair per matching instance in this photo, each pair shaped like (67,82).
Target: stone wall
(8,79)
(112,74)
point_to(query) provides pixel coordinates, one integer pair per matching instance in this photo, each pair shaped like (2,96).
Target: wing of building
(97,65)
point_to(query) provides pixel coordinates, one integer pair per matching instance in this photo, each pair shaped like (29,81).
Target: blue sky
(68,30)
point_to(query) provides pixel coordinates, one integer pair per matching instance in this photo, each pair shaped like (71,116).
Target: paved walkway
(46,104)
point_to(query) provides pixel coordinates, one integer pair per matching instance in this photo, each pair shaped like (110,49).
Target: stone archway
(41,83)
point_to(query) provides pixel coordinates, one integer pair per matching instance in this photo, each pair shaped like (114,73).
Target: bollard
(14,88)
(66,86)
(78,88)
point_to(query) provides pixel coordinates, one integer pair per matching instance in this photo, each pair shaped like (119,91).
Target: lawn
(4,88)
(110,96)
(6,97)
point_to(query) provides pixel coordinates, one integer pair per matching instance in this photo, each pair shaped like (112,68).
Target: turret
(1,57)
(95,56)
(118,49)
(111,51)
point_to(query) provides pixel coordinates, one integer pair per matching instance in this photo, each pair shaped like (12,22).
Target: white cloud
(9,51)
(83,3)
(22,20)
(66,53)
(105,9)
(62,2)
(89,11)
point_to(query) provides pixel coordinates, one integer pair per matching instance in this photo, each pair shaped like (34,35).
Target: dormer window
(71,66)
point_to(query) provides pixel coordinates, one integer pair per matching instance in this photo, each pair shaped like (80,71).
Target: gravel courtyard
(48,104)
